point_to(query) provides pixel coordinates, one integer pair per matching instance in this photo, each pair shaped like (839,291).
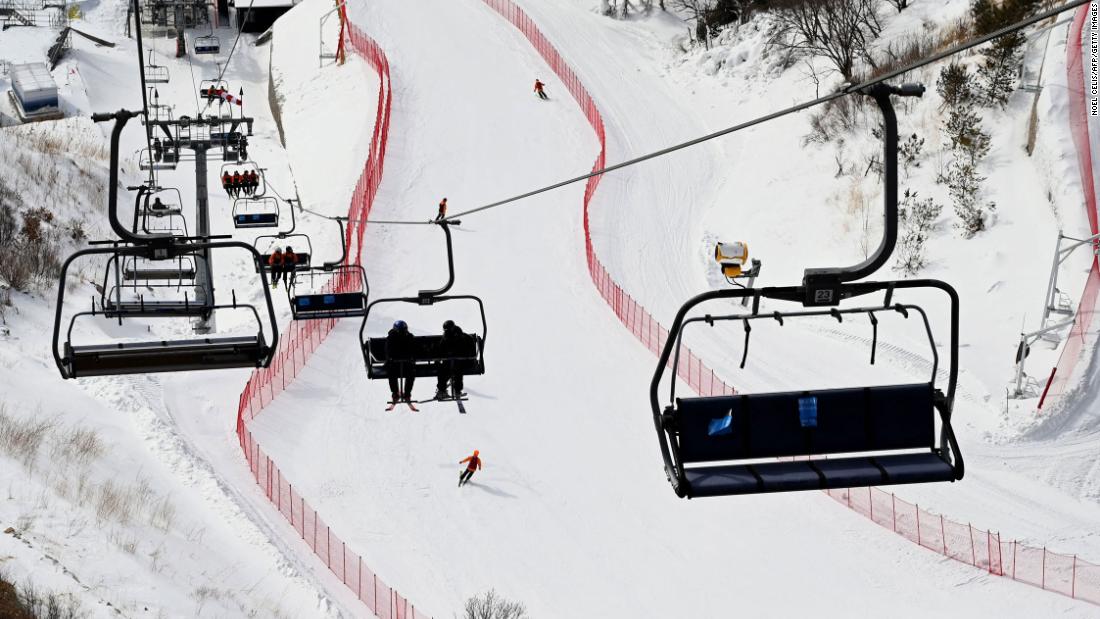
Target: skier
(451,347)
(227,183)
(399,363)
(290,260)
(236,183)
(473,463)
(442,210)
(157,206)
(539,90)
(253,182)
(158,149)
(275,261)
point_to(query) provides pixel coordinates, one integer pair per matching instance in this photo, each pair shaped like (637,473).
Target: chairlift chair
(166,220)
(208,44)
(154,73)
(330,291)
(244,166)
(255,213)
(124,295)
(160,355)
(208,89)
(168,161)
(426,359)
(267,244)
(871,435)
(176,272)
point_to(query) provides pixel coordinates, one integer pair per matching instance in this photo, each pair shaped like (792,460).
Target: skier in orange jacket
(539,91)
(473,463)
(442,210)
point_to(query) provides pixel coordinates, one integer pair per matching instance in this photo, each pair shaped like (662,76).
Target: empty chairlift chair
(208,44)
(255,213)
(76,360)
(133,288)
(815,439)
(154,73)
(174,272)
(809,439)
(331,291)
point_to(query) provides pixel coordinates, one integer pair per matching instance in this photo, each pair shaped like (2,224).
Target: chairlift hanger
(882,435)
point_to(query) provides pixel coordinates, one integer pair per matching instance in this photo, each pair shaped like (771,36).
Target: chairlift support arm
(822,285)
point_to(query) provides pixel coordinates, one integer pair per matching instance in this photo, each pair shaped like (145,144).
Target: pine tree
(963,183)
(964,129)
(954,85)
(999,69)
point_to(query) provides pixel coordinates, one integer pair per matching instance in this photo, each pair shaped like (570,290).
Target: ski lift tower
(203,136)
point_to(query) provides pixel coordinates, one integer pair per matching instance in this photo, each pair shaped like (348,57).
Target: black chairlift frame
(427,364)
(157,356)
(861,421)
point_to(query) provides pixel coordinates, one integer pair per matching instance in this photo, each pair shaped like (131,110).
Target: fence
(1063,379)
(1064,574)
(297,345)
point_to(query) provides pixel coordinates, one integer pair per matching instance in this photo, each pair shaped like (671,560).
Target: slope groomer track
(571,498)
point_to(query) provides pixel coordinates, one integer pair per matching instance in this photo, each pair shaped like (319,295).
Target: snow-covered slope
(572,491)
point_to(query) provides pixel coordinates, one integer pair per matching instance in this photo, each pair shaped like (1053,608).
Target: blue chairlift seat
(328,305)
(256,220)
(207,45)
(887,435)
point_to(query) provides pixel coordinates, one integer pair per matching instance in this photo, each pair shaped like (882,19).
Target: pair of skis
(412,404)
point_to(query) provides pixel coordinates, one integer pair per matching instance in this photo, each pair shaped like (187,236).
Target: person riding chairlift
(399,364)
(227,183)
(236,184)
(452,345)
(275,261)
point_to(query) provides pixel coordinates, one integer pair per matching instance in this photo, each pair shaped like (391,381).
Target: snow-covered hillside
(130,494)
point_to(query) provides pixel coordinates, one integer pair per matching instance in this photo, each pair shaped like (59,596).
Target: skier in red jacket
(473,463)
(539,90)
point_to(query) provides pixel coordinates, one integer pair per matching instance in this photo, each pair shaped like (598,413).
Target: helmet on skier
(476,452)
(289,249)
(401,325)
(448,325)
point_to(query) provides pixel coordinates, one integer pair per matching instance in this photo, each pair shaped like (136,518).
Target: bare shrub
(836,119)
(840,31)
(489,605)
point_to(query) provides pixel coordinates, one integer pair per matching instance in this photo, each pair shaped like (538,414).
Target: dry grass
(22,439)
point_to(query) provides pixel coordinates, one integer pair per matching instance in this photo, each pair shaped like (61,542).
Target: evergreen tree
(954,85)
(964,183)
(964,129)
